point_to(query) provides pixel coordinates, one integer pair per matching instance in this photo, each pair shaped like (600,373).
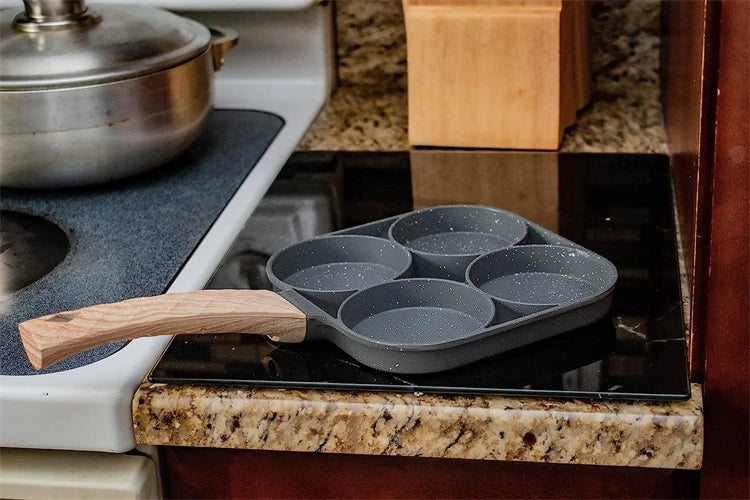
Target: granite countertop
(368,111)
(361,118)
(661,435)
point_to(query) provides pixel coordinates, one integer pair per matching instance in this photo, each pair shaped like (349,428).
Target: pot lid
(91,46)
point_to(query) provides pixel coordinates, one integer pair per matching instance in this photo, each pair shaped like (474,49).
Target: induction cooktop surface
(618,205)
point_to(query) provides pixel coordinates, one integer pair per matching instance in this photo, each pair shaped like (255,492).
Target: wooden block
(526,184)
(581,49)
(486,3)
(491,74)
(567,63)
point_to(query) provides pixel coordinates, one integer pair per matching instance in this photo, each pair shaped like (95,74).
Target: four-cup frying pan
(423,292)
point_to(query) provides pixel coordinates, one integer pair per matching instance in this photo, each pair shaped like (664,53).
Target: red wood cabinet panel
(218,473)
(707,112)
(690,45)
(727,345)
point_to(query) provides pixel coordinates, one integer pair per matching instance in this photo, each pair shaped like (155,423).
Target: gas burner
(30,247)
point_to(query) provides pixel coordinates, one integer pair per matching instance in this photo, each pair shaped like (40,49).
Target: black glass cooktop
(619,206)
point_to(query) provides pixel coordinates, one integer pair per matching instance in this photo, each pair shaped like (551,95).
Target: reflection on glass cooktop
(617,205)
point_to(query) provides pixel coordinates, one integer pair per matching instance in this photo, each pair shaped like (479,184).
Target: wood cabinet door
(222,473)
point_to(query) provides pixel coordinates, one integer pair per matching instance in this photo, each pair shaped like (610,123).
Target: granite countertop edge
(612,433)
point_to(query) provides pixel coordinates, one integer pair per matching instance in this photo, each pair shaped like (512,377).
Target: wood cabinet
(212,473)
(707,113)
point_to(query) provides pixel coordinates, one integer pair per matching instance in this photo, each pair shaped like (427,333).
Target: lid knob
(54,15)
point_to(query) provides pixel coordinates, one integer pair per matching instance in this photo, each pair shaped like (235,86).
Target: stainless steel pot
(89,97)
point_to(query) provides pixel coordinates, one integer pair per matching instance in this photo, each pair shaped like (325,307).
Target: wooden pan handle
(52,338)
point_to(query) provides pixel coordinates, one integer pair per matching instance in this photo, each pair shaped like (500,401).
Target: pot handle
(52,338)
(222,39)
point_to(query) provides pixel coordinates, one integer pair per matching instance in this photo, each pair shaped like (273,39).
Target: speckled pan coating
(434,311)
(411,325)
(532,278)
(427,324)
(445,239)
(328,269)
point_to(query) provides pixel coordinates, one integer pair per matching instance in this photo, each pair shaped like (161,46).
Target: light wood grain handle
(52,338)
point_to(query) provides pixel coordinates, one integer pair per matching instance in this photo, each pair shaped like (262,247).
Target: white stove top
(282,65)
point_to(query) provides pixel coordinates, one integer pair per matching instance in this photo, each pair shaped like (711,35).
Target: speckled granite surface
(371,46)
(664,435)
(368,112)
(362,118)
(684,277)
(625,114)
